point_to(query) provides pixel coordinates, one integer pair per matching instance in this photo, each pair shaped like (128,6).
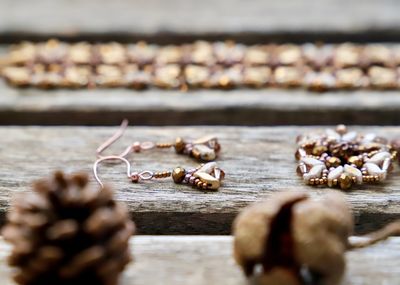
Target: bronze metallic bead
(345,181)
(356,160)
(308,147)
(333,162)
(312,181)
(179,145)
(318,150)
(195,153)
(178,174)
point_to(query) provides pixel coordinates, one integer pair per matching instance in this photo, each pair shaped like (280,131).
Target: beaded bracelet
(55,64)
(339,158)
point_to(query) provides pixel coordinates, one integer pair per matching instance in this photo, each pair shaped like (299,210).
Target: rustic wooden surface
(182,20)
(258,161)
(200,260)
(160,107)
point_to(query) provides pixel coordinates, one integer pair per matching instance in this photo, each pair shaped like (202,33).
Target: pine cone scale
(67,232)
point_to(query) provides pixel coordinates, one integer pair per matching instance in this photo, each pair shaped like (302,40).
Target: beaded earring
(203,149)
(206,176)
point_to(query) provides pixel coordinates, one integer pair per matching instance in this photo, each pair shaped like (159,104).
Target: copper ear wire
(137,146)
(118,134)
(134,176)
(110,157)
(206,176)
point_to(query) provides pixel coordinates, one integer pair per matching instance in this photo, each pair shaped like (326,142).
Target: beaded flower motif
(339,158)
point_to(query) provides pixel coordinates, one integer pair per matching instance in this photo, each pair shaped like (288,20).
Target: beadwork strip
(55,64)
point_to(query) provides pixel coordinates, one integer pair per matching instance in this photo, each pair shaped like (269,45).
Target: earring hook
(111,157)
(118,134)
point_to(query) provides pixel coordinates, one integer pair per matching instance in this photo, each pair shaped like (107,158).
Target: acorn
(297,239)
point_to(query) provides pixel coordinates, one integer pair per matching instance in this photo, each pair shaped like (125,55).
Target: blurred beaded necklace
(55,64)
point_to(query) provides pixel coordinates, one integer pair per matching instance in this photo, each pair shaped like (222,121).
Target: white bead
(349,136)
(354,172)
(332,135)
(379,157)
(334,174)
(205,152)
(208,167)
(386,164)
(311,161)
(205,139)
(315,172)
(369,138)
(374,169)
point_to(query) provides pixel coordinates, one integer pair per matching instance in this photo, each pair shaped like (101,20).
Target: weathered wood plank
(173,107)
(181,20)
(257,161)
(208,260)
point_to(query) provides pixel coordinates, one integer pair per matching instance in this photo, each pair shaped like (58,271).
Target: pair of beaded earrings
(207,176)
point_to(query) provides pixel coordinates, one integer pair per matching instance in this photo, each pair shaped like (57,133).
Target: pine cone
(66,232)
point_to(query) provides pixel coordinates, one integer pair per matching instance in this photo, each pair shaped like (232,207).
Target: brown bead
(333,162)
(318,150)
(299,169)
(356,160)
(179,145)
(178,174)
(308,147)
(345,181)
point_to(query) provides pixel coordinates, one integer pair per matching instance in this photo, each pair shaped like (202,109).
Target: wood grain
(172,260)
(180,20)
(258,161)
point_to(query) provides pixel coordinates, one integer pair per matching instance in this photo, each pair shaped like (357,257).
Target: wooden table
(201,260)
(179,20)
(258,161)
